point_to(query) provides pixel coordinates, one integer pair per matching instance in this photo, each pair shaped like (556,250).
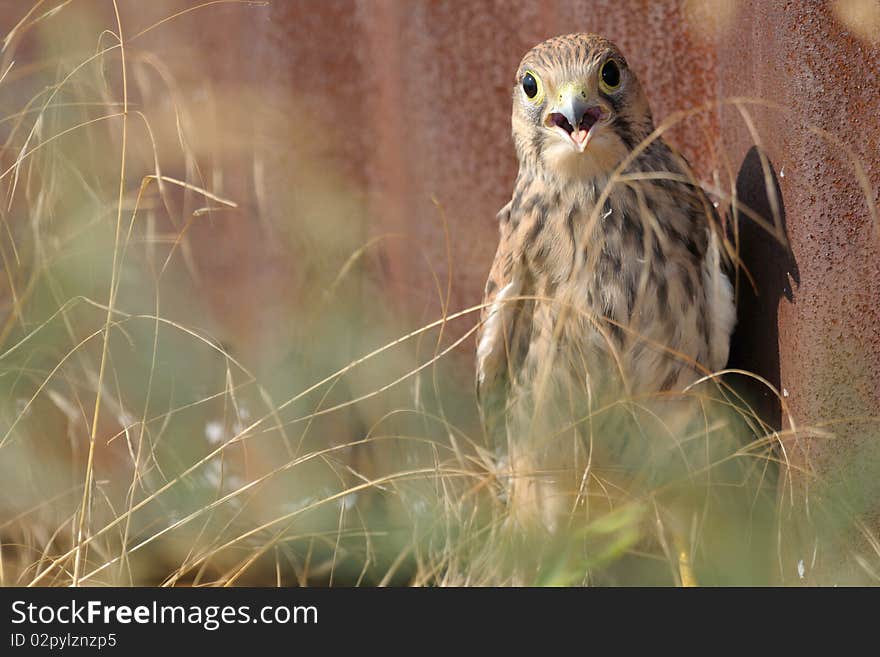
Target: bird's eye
(609,76)
(530,86)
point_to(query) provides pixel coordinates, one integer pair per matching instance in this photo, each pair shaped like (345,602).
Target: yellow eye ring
(609,76)
(532,87)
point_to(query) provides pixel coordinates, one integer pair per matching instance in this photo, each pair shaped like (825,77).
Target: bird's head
(577,107)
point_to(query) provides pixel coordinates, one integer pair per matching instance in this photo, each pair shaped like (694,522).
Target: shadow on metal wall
(755,341)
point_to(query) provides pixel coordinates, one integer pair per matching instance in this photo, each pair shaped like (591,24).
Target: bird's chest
(589,260)
(608,291)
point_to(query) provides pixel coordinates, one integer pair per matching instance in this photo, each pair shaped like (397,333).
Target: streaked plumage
(597,291)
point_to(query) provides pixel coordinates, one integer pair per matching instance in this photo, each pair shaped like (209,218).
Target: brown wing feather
(502,312)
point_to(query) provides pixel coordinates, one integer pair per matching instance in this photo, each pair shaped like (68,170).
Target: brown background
(411,101)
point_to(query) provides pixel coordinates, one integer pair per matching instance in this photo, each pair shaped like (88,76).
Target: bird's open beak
(574,117)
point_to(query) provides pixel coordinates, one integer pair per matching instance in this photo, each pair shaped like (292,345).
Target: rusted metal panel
(409,103)
(821,76)
(420,93)
(800,56)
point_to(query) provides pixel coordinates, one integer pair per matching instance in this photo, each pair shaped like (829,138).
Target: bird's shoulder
(704,235)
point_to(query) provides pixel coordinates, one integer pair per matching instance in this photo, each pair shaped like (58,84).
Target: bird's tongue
(579,136)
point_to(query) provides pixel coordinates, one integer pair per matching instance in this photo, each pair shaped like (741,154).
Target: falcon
(608,283)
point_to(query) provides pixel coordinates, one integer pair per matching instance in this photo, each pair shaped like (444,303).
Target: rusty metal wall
(418,94)
(825,74)
(416,98)
(408,103)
